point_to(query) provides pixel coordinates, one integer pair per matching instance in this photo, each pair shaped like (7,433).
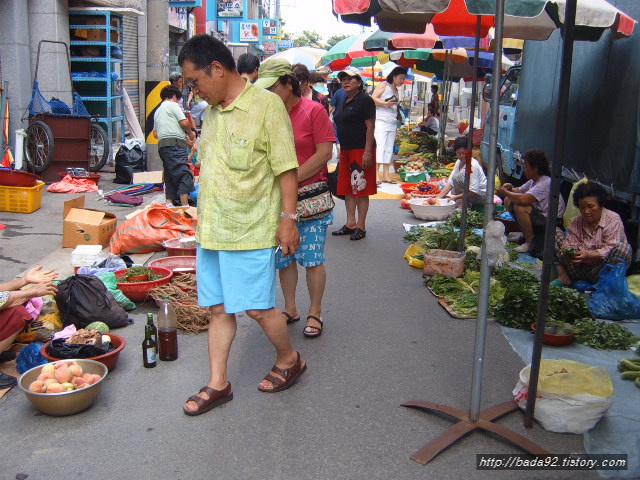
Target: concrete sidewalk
(386,341)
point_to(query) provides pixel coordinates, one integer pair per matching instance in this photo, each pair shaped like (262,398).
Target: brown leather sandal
(290,375)
(216,398)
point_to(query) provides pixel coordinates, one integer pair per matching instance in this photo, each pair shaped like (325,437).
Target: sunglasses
(194,83)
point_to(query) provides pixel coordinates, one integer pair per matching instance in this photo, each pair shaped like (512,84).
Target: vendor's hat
(271,70)
(349,71)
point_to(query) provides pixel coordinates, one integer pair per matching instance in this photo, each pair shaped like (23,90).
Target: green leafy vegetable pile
(604,335)
(444,237)
(519,306)
(462,294)
(474,219)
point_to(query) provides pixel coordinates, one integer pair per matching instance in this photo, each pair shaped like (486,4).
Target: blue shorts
(310,253)
(239,279)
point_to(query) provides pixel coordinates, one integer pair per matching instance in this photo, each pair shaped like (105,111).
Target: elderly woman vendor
(14,316)
(596,237)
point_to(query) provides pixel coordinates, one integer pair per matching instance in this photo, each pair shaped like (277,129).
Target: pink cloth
(34,307)
(311,126)
(602,239)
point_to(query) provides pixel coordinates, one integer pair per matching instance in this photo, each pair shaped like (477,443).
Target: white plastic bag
(566,412)
(496,242)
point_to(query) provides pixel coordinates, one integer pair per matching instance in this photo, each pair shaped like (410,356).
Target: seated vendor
(430,124)
(455,184)
(595,238)
(530,202)
(14,316)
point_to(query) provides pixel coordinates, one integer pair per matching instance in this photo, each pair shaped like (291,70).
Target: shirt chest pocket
(240,153)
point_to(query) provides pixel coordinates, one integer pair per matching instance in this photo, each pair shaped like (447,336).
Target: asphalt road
(386,341)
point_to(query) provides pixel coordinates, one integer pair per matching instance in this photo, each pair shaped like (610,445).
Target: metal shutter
(130,64)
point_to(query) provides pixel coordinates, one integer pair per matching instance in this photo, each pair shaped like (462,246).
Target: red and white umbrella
(526,20)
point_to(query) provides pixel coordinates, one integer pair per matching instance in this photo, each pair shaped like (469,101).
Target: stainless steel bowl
(65,403)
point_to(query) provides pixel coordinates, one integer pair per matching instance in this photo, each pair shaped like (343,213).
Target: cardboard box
(148,177)
(95,35)
(84,226)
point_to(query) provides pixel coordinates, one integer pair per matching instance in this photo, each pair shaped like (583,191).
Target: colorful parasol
(349,51)
(310,57)
(526,20)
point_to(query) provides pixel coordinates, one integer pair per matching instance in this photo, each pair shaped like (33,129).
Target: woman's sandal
(290,375)
(216,398)
(343,231)
(358,234)
(311,331)
(290,318)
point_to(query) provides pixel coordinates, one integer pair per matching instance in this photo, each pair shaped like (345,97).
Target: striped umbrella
(349,51)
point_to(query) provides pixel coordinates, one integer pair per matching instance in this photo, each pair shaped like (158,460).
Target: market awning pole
(467,177)
(444,102)
(411,99)
(485,271)
(550,229)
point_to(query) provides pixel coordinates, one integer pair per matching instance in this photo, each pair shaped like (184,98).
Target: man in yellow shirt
(246,206)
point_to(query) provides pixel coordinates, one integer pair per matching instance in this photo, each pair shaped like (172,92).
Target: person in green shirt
(246,207)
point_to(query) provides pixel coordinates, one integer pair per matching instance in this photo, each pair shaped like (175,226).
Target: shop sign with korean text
(249,31)
(223,10)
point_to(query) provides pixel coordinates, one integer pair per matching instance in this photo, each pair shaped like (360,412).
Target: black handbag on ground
(83,299)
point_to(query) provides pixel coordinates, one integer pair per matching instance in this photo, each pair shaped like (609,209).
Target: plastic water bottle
(167,331)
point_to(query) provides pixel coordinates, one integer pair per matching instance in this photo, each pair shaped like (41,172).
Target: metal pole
(467,177)
(485,273)
(550,228)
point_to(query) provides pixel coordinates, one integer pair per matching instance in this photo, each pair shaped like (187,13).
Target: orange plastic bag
(146,231)
(70,184)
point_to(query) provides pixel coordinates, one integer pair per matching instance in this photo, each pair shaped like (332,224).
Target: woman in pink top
(314,137)
(597,235)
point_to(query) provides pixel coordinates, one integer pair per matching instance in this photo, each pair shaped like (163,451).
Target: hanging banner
(249,31)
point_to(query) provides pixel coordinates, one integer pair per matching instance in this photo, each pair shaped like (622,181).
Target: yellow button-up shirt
(243,149)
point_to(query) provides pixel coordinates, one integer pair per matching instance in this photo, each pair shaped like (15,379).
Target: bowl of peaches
(64,387)
(432,208)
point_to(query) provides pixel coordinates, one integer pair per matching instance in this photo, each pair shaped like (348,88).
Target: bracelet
(290,216)
(367,153)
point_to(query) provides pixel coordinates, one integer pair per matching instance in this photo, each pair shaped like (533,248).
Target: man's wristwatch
(290,216)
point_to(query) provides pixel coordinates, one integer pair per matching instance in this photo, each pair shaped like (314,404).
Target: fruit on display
(66,377)
(100,326)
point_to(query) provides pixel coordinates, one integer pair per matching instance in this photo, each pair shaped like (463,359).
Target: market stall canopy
(349,51)
(431,62)
(381,40)
(524,19)
(308,56)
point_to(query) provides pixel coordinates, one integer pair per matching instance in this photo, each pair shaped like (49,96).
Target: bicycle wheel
(98,148)
(40,147)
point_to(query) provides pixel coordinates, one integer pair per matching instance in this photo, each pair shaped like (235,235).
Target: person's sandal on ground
(343,231)
(289,376)
(7,381)
(312,331)
(7,356)
(290,318)
(358,234)
(216,398)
